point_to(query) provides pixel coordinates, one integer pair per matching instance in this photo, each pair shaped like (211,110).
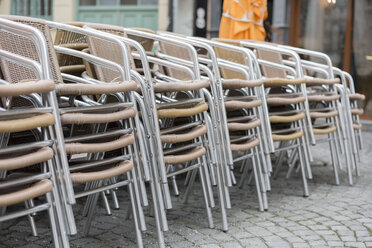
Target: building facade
(150,14)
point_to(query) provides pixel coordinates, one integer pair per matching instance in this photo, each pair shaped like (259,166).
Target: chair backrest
(275,57)
(178,52)
(232,56)
(146,43)
(67,37)
(14,73)
(108,50)
(70,40)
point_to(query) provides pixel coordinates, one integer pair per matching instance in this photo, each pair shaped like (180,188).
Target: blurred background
(340,28)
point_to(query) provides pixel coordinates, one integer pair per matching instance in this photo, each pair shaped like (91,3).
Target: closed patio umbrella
(243,19)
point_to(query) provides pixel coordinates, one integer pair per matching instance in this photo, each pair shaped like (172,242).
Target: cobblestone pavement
(333,216)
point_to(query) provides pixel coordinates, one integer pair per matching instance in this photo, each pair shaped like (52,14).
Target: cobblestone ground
(333,216)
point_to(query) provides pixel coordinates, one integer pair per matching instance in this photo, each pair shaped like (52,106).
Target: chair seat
(183,157)
(41,155)
(324,130)
(123,141)
(186,136)
(34,190)
(327,114)
(236,126)
(286,118)
(284,100)
(27,123)
(183,111)
(253,142)
(357,96)
(232,105)
(290,136)
(357,111)
(357,126)
(101,172)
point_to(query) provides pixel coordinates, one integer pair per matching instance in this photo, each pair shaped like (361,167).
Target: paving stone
(335,243)
(300,245)
(253,242)
(348,238)
(355,244)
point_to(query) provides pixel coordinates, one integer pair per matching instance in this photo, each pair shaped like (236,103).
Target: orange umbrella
(243,19)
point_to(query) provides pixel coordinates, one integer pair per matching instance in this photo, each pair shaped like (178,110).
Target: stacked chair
(91,130)
(103,106)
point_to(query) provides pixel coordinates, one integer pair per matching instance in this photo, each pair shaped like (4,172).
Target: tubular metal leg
(189,187)
(258,188)
(222,199)
(106,203)
(206,201)
(134,203)
(174,182)
(91,212)
(302,166)
(334,156)
(59,237)
(31,220)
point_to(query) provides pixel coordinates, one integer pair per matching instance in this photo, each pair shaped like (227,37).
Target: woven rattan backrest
(178,52)
(23,46)
(67,37)
(232,56)
(272,56)
(108,50)
(70,40)
(146,43)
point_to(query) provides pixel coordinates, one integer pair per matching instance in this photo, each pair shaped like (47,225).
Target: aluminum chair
(94,165)
(111,47)
(287,112)
(321,63)
(240,111)
(16,185)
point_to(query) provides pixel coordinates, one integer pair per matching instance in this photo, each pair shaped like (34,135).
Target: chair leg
(245,171)
(106,203)
(222,199)
(334,156)
(60,238)
(206,201)
(302,166)
(258,187)
(189,187)
(174,183)
(91,211)
(31,220)
(134,203)
(208,181)
(157,204)
(261,179)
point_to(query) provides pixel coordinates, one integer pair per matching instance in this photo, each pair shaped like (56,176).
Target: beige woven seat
(37,189)
(325,130)
(249,144)
(357,96)
(185,156)
(106,172)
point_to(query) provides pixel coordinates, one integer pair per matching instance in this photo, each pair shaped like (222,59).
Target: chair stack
(102,107)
